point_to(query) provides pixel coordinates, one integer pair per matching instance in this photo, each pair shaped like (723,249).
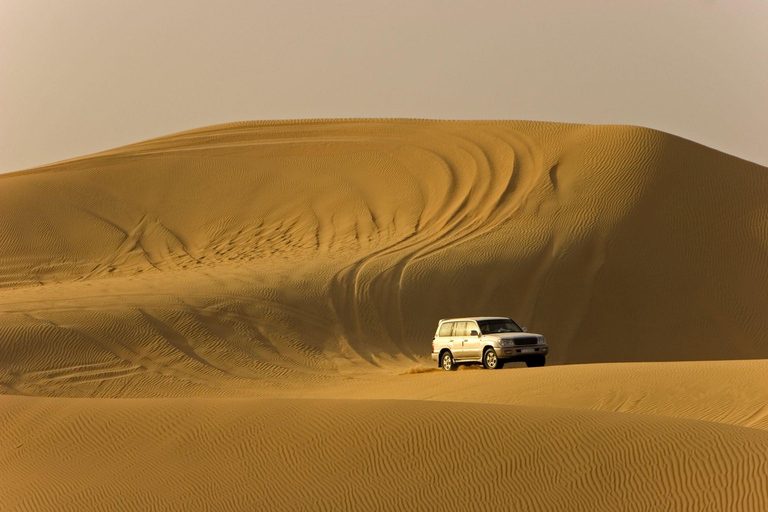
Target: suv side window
(460,329)
(446,329)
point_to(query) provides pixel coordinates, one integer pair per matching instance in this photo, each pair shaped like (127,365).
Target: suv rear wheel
(491,361)
(447,362)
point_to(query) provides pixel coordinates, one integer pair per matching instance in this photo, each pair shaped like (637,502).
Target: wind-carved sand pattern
(215,280)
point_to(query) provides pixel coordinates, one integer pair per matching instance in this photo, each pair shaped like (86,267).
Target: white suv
(488,340)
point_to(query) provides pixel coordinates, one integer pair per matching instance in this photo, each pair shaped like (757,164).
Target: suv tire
(447,362)
(535,361)
(491,361)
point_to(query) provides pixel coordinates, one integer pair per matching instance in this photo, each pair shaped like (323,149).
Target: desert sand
(239,317)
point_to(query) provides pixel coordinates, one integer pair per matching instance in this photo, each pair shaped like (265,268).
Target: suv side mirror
(525,329)
(474,333)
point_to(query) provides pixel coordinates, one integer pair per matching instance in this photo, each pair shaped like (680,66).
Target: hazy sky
(80,76)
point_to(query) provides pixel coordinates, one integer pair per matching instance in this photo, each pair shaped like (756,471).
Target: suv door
(458,339)
(473,345)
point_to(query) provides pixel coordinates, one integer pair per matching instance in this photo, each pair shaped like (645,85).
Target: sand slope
(730,392)
(303,266)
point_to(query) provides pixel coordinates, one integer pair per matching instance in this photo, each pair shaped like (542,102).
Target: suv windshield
(496,326)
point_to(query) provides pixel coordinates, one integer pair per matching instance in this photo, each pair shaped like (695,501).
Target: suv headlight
(542,340)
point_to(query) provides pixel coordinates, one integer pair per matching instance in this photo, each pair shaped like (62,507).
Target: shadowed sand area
(236,454)
(239,317)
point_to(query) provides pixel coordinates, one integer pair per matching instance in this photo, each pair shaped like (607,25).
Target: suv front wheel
(447,362)
(491,361)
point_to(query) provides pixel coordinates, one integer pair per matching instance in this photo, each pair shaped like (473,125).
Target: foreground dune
(246,454)
(180,318)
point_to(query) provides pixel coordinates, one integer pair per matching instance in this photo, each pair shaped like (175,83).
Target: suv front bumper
(514,351)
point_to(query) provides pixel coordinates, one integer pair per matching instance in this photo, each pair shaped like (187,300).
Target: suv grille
(530,340)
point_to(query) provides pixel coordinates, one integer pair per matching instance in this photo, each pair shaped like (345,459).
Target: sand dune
(293,264)
(244,253)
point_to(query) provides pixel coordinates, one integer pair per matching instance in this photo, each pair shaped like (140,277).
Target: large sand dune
(293,264)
